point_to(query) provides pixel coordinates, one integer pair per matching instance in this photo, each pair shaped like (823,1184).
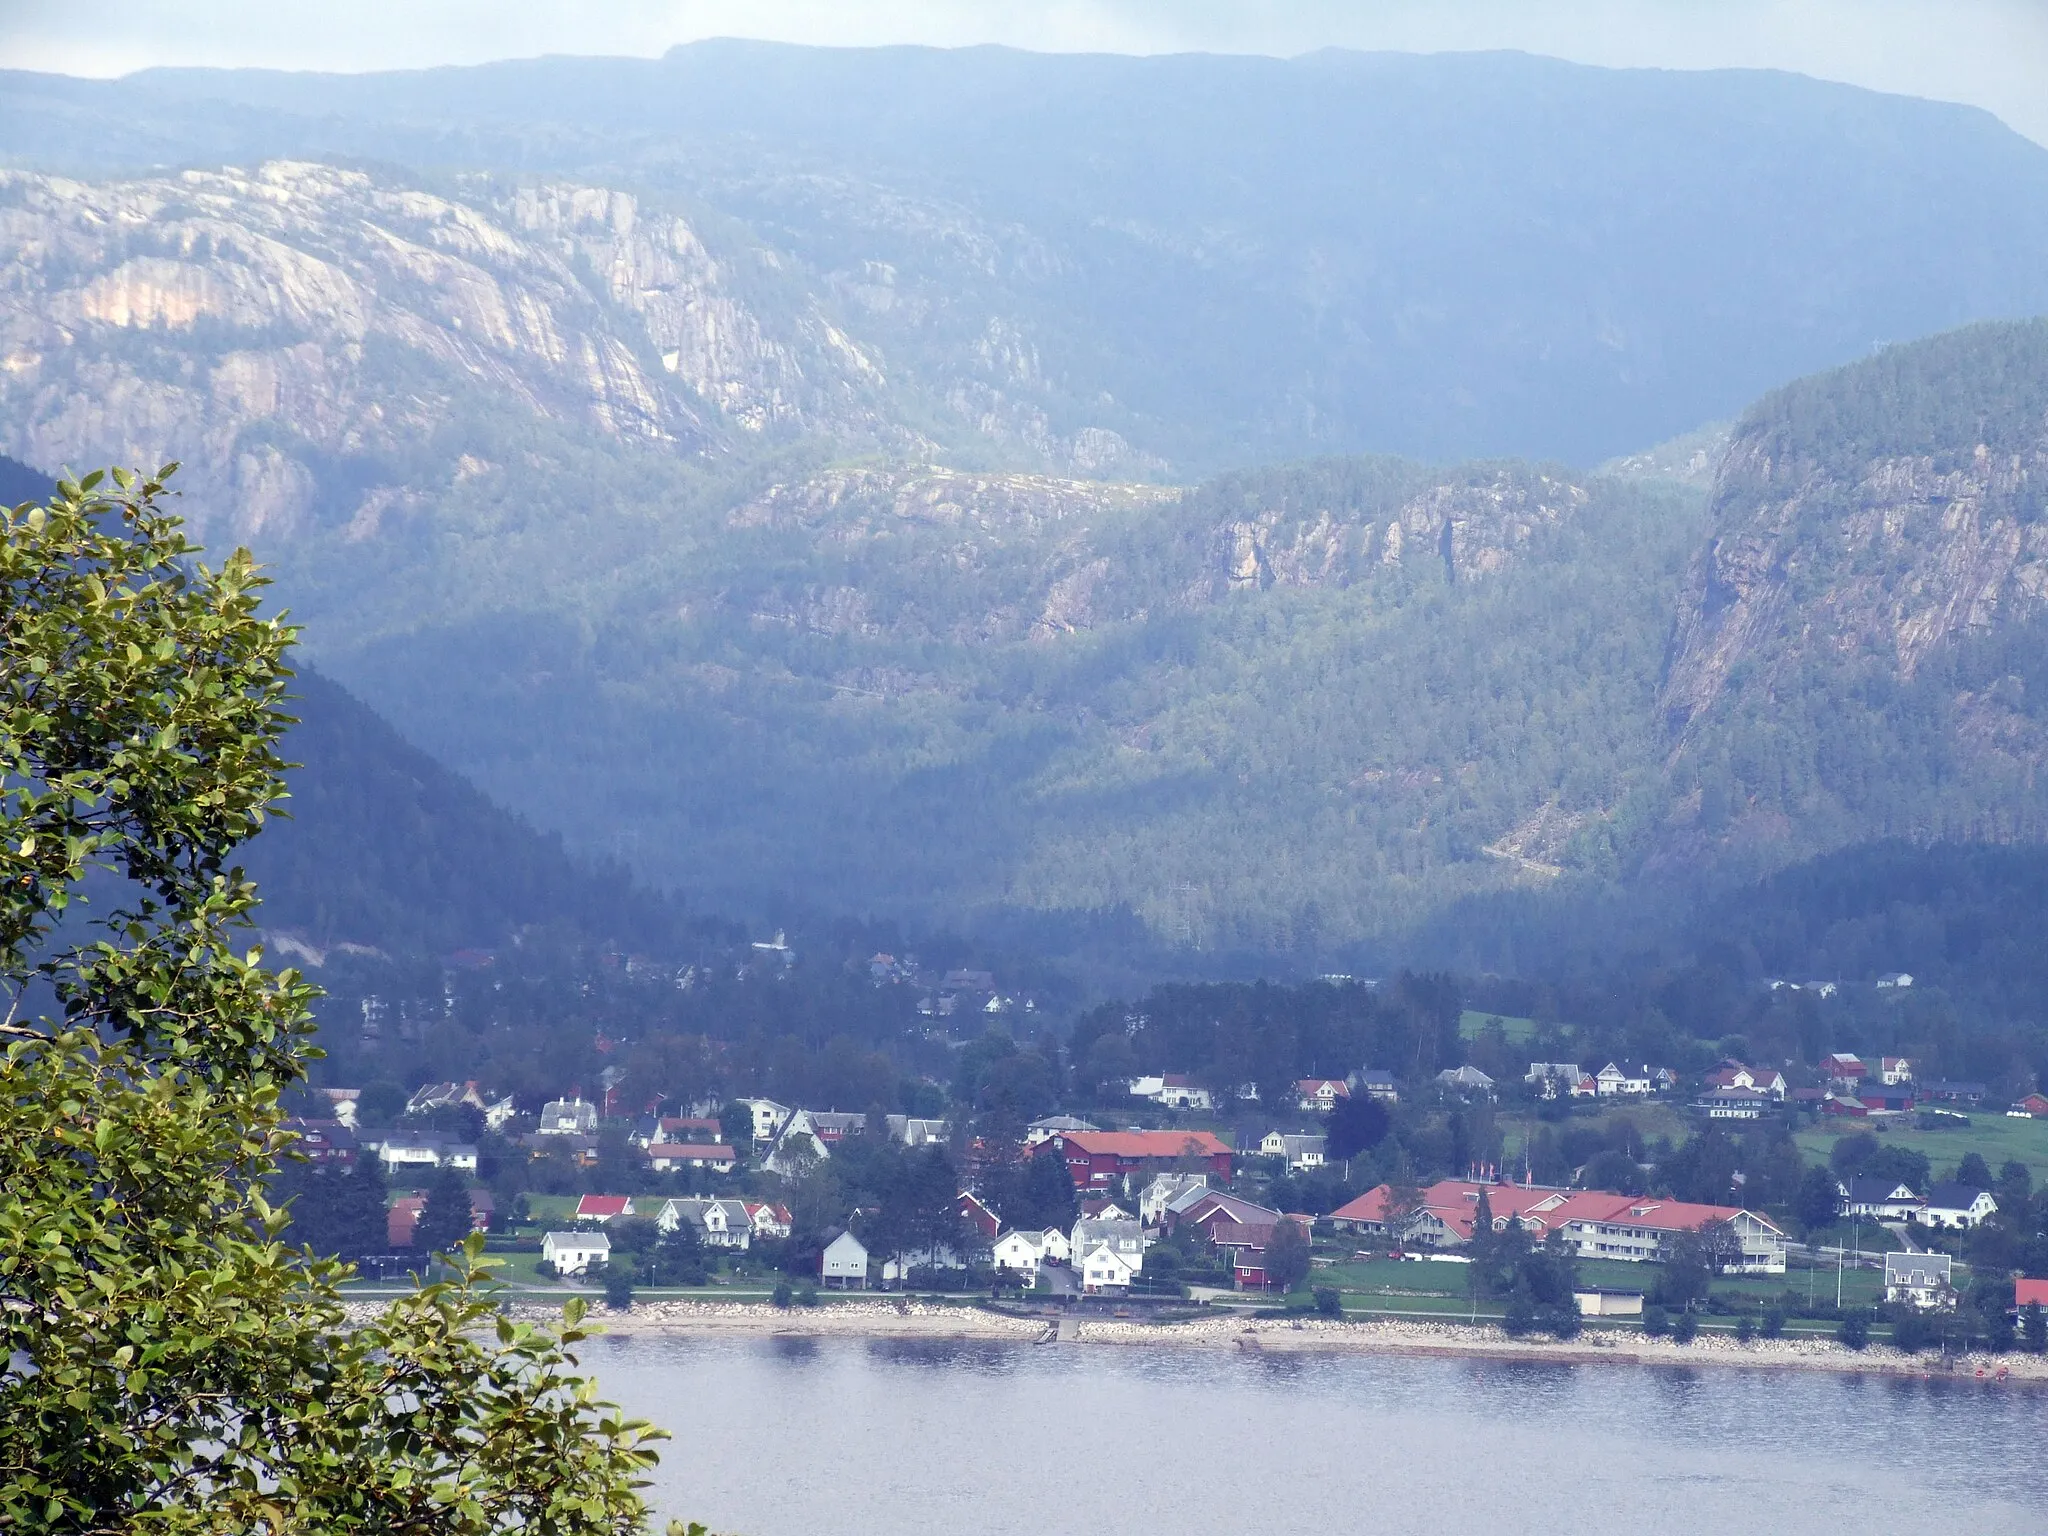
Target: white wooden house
(573,1253)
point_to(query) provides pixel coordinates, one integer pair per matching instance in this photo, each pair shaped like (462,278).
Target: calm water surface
(793,1437)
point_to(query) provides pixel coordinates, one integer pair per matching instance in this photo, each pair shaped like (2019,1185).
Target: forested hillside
(1860,643)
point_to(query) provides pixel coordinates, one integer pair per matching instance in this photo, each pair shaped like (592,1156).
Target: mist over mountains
(938,484)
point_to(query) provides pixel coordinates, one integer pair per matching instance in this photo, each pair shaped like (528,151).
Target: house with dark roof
(1880,1199)
(1958,1206)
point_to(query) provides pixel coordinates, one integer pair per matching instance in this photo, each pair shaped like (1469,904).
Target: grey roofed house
(567,1117)
(1053,1125)
(1465,1080)
(718,1223)
(1124,1237)
(1921,1279)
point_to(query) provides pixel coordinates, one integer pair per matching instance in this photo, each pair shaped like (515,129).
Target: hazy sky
(1992,53)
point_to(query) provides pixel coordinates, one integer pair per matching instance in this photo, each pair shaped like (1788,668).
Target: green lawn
(1471,1024)
(1375,1276)
(1993,1134)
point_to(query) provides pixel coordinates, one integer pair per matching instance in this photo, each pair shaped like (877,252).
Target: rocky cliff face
(1883,563)
(1469,524)
(319,345)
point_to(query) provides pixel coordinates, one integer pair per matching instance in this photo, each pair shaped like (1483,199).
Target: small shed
(1595,1302)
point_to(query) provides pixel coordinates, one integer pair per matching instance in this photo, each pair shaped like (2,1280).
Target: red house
(2035,1104)
(976,1215)
(603,1207)
(2030,1293)
(1096,1158)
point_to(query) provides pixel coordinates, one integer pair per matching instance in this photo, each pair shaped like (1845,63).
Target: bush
(1774,1324)
(1686,1329)
(807,1295)
(1520,1316)
(1655,1322)
(618,1289)
(1854,1331)
(1745,1329)
(1562,1321)
(781,1294)
(1329,1301)
(1913,1331)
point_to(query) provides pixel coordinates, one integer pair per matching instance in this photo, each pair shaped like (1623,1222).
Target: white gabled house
(843,1266)
(1106,1271)
(717,1223)
(1919,1279)
(1019,1252)
(1611,1081)
(1958,1205)
(1164,1189)
(567,1117)
(573,1253)
(1300,1152)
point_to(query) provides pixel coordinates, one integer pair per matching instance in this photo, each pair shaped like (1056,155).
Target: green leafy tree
(174,1364)
(2034,1328)
(1819,1200)
(1287,1255)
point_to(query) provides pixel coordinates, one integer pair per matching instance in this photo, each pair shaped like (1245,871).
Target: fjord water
(789,1436)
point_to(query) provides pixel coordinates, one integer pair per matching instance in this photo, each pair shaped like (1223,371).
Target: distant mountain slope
(1104,264)
(384,847)
(1862,645)
(1287,707)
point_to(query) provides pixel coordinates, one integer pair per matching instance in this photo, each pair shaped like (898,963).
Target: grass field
(1471,1024)
(1996,1136)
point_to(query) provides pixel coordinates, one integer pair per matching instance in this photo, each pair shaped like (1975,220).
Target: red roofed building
(1596,1224)
(1321,1093)
(1097,1158)
(976,1215)
(2030,1293)
(603,1207)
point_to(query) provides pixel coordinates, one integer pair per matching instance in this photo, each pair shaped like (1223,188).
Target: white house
(1019,1252)
(1164,1189)
(1172,1090)
(1882,1199)
(1320,1094)
(1104,1270)
(410,1150)
(768,1220)
(1895,979)
(1466,1080)
(572,1253)
(663,1157)
(1057,1249)
(844,1264)
(769,1117)
(718,1223)
(1300,1151)
(797,1146)
(498,1115)
(1612,1082)
(1122,1236)
(1379,1084)
(1958,1205)
(1919,1279)
(1045,1128)
(1894,1070)
(567,1117)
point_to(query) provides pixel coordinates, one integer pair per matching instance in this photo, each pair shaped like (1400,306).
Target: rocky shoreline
(880,1319)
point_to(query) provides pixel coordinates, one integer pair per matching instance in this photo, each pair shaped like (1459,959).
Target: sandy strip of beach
(1278,1335)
